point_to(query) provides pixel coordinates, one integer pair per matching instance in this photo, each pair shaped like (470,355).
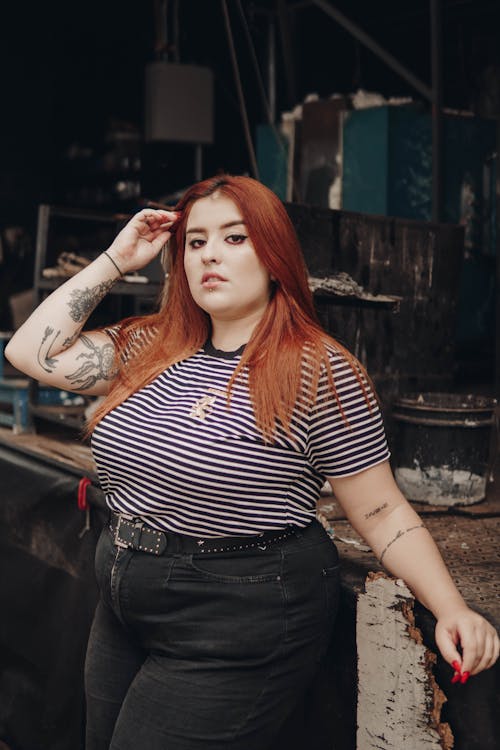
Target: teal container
(387,170)
(272,159)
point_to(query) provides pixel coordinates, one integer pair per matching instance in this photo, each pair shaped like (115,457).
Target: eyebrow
(199,230)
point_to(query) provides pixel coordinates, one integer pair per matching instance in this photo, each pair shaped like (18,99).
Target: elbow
(9,353)
(13,355)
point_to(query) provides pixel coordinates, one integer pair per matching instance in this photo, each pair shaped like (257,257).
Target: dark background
(72,87)
(73,72)
(71,81)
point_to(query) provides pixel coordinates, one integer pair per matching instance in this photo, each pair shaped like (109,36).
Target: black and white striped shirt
(175,455)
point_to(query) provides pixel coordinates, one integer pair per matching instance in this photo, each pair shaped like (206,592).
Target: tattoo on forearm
(400,533)
(376,510)
(83,301)
(98,364)
(44,359)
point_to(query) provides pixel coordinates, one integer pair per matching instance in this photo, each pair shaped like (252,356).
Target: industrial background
(377,123)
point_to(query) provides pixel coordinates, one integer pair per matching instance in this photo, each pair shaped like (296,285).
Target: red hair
(287,334)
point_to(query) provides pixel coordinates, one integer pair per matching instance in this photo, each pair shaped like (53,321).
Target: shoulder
(328,354)
(343,380)
(332,363)
(129,337)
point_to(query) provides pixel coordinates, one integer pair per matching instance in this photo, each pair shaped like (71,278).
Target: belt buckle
(119,542)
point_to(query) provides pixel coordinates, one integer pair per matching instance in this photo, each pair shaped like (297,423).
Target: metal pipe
(160,29)
(437,109)
(198,162)
(271,69)
(372,45)
(497,243)
(286,44)
(255,63)
(176,33)
(239,89)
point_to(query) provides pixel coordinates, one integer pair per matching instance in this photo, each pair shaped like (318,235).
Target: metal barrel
(443,446)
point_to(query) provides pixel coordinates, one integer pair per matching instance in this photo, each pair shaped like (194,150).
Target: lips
(211,278)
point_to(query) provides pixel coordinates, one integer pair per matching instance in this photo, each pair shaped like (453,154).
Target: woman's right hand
(142,238)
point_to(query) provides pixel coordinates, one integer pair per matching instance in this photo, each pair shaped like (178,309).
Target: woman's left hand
(390,525)
(476,637)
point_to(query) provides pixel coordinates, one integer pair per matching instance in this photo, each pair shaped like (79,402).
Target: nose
(210,252)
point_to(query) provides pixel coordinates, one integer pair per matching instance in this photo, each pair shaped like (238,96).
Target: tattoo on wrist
(400,533)
(44,359)
(83,301)
(98,364)
(376,510)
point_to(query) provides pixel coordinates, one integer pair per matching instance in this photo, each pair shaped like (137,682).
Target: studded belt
(135,534)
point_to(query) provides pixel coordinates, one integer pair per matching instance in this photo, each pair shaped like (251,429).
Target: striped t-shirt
(176,456)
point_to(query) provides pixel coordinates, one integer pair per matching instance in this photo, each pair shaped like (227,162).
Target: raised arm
(50,345)
(380,513)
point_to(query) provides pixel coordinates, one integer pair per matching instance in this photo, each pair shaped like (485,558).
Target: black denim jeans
(206,651)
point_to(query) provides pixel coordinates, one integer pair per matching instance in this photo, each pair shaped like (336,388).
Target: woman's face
(224,274)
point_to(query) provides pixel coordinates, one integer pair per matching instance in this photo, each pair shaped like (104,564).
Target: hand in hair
(142,238)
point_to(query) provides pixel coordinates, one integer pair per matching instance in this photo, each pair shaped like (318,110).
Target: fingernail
(456,665)
(464,677)
(456,677)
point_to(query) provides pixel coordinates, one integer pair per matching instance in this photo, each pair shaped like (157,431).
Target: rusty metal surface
(468,538)
(471,551)
(448,403)
(470,548)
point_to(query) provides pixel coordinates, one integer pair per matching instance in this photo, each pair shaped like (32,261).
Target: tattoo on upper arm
(44,359)
(98,364)
(83,301)
(376,510)
(400,533)
(71,339)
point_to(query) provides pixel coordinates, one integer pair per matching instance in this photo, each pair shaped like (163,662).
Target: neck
(230,335)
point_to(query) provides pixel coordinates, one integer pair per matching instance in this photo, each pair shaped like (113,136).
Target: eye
(236,239)
(196,243)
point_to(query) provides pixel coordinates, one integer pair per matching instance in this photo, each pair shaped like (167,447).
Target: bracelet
(113,262)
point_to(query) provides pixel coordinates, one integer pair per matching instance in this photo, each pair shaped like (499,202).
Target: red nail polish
(456,665)
(464,677)
(456,677)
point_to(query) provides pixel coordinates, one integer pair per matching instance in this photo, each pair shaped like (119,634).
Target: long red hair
(287,335)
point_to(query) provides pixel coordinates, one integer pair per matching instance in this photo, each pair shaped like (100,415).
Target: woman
(225,411)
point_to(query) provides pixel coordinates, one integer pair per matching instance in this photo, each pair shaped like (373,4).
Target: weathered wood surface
(399,701)
(68,453)
(420,261)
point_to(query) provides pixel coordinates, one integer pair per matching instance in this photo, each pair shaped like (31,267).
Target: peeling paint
(399,701)
(440,485)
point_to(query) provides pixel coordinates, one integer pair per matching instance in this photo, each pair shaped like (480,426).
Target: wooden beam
(399,701)
(358,33)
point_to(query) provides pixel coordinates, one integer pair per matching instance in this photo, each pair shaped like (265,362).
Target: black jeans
(206,651)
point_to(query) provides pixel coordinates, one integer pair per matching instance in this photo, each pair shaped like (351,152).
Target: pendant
(202,407)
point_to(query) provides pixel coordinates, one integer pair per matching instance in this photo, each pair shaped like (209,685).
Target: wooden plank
(399,701)
(68,453)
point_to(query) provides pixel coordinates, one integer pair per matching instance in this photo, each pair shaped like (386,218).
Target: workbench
(48,595)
